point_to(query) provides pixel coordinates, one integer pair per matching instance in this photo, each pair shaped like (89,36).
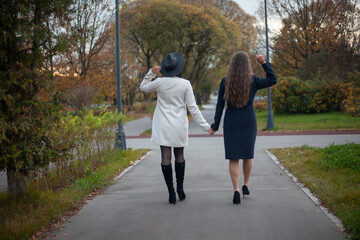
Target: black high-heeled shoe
(172,197)
(236,199)
(181,194)
(245,191)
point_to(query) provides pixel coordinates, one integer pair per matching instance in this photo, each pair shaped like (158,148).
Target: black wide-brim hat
(172,64)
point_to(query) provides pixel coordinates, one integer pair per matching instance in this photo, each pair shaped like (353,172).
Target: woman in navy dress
(238,90)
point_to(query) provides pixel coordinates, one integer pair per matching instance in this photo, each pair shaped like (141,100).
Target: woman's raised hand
(260,58)
(156,69)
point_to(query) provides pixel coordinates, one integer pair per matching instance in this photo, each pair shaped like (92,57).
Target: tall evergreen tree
(28,104)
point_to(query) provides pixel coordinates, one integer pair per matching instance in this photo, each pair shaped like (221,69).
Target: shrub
(82,96)
(145,107)
(260,105)
(292,95)
(352,102)
(80,142)
(333,93)
(354,78)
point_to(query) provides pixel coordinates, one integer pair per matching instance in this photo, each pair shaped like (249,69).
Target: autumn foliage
(317,51)
(318,38)
(203,34)
(293,95)
(29,104)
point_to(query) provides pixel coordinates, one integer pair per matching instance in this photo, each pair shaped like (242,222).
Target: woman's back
(174,97)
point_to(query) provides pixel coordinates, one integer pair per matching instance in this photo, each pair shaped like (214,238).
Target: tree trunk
(198,98)
(16,183)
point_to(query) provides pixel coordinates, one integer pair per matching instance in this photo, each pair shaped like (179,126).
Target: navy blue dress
(240,123)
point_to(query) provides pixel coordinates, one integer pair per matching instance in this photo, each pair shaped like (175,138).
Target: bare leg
(234,173)
(247,166)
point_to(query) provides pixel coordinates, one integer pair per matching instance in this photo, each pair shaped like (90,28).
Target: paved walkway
(136,206)
(138,126)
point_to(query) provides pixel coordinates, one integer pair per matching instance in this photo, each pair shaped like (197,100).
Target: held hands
(261,59)
(156,69)
(211,131)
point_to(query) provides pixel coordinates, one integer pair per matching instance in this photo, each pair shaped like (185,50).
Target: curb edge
(130,167)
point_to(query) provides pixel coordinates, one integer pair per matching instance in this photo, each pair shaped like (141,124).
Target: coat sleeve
(270,79)
(194,109)
(219,106)
(147,85)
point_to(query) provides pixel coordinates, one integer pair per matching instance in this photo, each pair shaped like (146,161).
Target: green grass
(147,132)
(333,174)
(310,122)
(21,218)
(304,122)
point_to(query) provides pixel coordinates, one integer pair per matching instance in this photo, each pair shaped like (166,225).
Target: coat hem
(167,145)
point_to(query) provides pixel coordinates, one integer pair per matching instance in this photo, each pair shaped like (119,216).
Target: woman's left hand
(156,69)
(211,131)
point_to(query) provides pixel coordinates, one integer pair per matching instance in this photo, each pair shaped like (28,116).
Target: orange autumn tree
(89,30)
(317,37)
(232,11)
(103,74)
(207,37)
(202,34)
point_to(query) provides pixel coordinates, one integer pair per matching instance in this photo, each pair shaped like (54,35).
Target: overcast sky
(249,6)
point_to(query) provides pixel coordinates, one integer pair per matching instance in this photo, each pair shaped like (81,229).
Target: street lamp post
(270,117)
(120,134)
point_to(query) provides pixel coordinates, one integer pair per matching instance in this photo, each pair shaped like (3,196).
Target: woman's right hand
(156,69)
(211,131)
(261,59)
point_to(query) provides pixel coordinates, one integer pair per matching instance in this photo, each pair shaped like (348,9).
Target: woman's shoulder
(184,80)
(254,78)
(178,81)
(223,80)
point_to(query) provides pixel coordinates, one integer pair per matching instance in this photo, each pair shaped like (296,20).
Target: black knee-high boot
(167,172)
(180,173)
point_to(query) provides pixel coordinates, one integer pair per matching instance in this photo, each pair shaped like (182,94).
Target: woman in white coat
(170,123)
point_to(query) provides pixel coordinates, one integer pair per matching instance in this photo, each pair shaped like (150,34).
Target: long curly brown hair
(238,80)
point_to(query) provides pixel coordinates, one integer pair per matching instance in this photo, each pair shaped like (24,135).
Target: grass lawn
(23,217)
(333,174)
(303,122)
(146,133)
(310,122)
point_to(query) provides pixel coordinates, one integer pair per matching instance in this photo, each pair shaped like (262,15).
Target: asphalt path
(136,207)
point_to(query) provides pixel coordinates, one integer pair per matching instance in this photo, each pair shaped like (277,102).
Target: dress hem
(240,158)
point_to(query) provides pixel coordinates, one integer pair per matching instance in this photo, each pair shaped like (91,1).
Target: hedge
(292,95)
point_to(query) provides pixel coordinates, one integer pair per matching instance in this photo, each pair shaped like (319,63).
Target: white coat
(170,122)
